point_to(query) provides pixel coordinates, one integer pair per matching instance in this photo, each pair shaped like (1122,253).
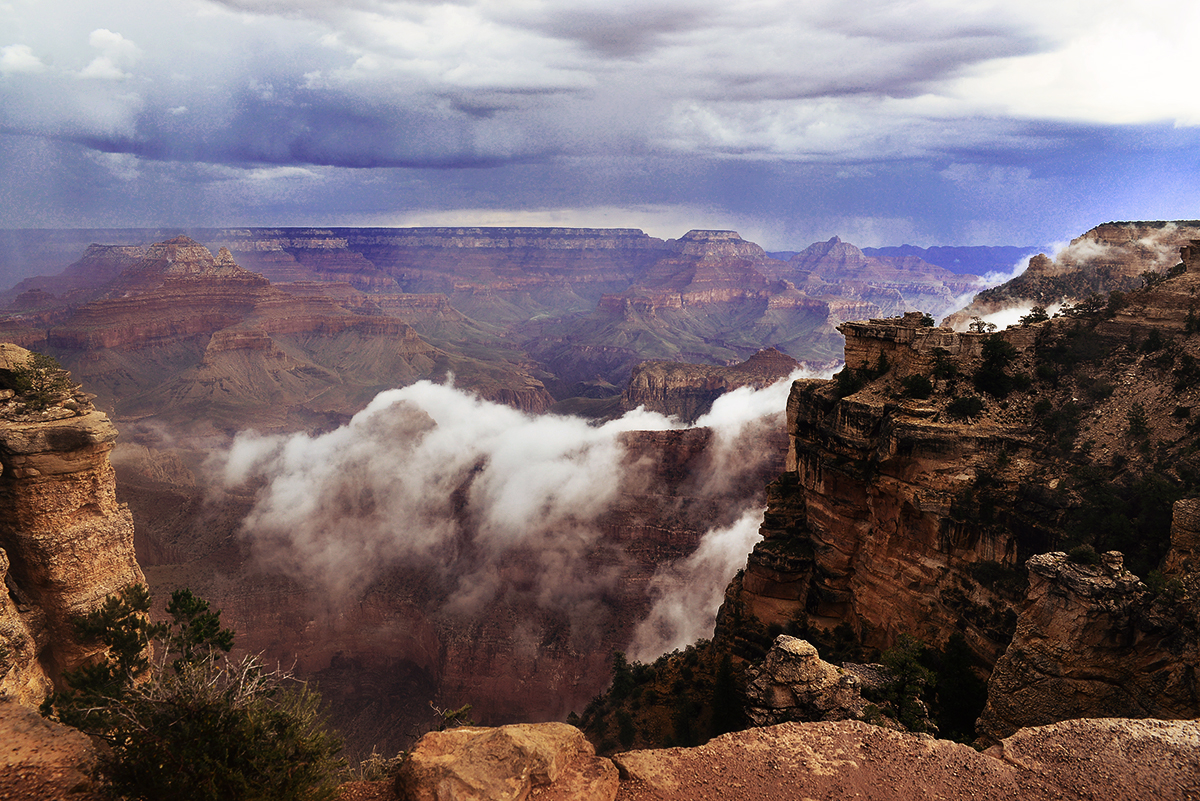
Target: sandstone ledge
(1116,759)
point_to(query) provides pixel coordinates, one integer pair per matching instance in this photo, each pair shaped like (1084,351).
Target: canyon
(893,508)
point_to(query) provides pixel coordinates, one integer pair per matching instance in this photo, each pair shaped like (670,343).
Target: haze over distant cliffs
(527,316)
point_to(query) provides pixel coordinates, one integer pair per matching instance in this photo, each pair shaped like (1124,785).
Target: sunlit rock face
(66,541)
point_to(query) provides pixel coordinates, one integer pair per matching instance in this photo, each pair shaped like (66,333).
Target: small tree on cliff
(189,723)
(40,381)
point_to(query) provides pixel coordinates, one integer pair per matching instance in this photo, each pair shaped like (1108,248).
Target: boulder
(793,683)
(551,761)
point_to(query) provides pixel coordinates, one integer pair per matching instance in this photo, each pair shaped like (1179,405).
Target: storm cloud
(980,122)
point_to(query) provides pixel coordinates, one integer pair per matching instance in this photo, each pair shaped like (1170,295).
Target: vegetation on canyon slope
(187,722)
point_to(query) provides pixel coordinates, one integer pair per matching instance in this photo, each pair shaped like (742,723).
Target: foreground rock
(549,760)
(41,759)
(1128,759)
(1089,640)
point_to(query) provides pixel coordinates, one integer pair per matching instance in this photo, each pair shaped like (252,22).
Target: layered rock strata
(67,542)
(870,482)
(923,480)
(687,391)
(1090,639)
(793,683)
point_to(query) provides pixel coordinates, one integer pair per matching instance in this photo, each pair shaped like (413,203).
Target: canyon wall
(926,484)
(65,541)
(1109,257)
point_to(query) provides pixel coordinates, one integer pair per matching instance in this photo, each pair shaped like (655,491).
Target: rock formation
(1090,640)
(1109,257)
(923,479)
(793,683)
(65,541)
(510,763)
(199,342)
(687,391)
(893,285)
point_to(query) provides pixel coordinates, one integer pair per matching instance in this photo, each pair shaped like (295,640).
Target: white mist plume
(992,279)
(688,592)
(1012,315)
(388,485)
(429,475)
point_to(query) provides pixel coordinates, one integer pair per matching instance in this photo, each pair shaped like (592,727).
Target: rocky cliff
(1093,639)
(198,342)
(688,390)
(1109,257)
(65,541)
(928,473)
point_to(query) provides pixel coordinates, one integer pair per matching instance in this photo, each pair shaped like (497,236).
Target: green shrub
(40,382)
(1153,342)
(1083,555)
(1159,584)
(943,366)
(916,386)
(192,724)
(1036,315)
(1139,423)
(965,408)
(992,376)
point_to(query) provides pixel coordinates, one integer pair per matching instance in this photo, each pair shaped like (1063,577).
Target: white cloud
(19,58)
(118,54)
(1114,63)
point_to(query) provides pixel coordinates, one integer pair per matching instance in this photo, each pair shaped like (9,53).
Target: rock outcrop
(510,763)
(793,683)
(1109,257)
(921,482)
(687,391)
(1129,759)
(1090,639)
(65,541)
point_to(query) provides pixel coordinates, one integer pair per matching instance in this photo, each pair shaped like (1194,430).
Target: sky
(954,122)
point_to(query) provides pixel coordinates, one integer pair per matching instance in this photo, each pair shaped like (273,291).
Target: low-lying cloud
(477,493)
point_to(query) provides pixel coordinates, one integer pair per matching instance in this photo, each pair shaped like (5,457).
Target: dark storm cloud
(755,113)
(622,32)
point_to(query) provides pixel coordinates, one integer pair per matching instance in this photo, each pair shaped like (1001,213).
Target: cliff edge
(65,541)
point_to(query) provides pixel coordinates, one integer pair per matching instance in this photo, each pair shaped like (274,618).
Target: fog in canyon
(434,477)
